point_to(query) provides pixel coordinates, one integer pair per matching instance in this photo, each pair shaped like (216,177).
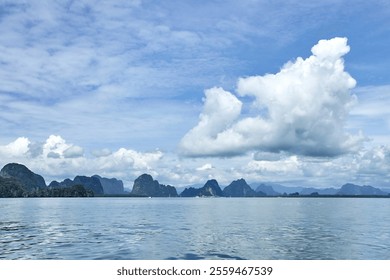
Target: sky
(291,92)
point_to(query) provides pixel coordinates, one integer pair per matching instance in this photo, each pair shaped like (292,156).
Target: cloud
(375,161)
(368,166)
(73,152)
(53,155)
(102,152)
(290,166)
(57,159)
(301,110)
(268,156)
(205,167)
(85,48)
(56,147)
(17,148)
(221,109)
(67,65)
(372,113)
(124,159)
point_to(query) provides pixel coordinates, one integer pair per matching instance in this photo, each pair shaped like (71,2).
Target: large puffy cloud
(302,109)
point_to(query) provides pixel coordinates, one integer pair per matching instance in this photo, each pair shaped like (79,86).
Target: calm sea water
(195,228)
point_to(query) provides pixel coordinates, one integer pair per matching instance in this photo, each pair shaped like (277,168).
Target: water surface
(195,228)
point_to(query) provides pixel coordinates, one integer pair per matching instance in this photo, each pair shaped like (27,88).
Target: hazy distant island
(16,180)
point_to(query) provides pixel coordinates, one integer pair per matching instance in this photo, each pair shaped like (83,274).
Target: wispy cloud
(372,114)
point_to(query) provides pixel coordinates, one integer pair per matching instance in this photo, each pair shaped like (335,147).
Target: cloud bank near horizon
(56,159)
(301,110)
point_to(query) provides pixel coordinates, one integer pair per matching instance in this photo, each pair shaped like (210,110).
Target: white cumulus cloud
(17,148)
(56,147)
(301,110)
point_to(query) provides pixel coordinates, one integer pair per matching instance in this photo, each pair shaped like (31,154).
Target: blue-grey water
(195,228)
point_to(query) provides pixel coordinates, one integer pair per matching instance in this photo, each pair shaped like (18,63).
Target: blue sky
(126,87)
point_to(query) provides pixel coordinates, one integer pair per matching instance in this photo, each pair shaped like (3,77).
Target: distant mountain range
(351,189)
(348,189)
(16,180)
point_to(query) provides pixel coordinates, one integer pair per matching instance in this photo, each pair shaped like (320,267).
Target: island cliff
(211,188)
(144,185)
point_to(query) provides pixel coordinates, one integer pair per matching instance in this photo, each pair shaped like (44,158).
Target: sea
(195,228)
